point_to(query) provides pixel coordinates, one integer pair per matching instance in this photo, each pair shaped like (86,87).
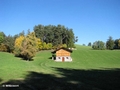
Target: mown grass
(89,70)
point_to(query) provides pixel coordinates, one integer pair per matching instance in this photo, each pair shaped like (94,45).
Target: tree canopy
(110,43)
(2,35)
(56,35)
(98,45)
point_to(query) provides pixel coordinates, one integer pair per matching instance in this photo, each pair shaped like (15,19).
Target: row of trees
(57,35)
(110,44)
(43,38)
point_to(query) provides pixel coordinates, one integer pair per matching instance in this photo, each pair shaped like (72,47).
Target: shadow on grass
(0,80)
(73,79)
(27,59)
(50,58)
(21,58)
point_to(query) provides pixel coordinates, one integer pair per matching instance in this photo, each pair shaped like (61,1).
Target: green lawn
(89,70)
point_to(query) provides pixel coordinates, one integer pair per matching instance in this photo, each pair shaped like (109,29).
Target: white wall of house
(66,59)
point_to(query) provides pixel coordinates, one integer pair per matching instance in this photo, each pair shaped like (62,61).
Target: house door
(63,59)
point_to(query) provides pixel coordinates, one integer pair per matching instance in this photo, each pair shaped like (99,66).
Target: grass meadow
(89,70)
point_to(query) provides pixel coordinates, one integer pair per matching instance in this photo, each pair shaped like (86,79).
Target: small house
(62,55)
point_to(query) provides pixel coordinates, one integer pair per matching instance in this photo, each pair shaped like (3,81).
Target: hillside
(89,70)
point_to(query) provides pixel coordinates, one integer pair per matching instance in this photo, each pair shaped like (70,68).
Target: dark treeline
(57,35)
(7,42)
(110,44)
(117,44)
(42,38)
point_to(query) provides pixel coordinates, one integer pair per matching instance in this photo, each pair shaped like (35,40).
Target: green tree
(89,44)
(98,45)
(22,33)
(15,36)
(9,41)
(117,44)
(110,43)
(28,31)
(56,35)
(2,36)
(40,32)
(70,38)
(84,45)
(76,39)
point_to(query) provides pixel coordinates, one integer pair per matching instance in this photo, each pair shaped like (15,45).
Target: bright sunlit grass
(84,58)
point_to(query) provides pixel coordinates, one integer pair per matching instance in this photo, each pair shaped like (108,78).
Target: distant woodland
(109,45)
(42,38)
(46,38)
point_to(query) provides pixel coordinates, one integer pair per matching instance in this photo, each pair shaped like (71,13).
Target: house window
(59,57)
(66,57)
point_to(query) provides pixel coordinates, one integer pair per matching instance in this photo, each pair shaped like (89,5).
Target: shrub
(4,48)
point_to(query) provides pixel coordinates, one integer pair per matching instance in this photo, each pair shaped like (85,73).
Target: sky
(91,20)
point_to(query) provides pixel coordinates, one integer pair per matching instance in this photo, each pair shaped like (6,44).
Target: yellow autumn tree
(49,46)
(29,47)
(4,48)
(19,41)
(64,45)
(61,45)
(17,45)
(39,44)
(44,46)
(26,47)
